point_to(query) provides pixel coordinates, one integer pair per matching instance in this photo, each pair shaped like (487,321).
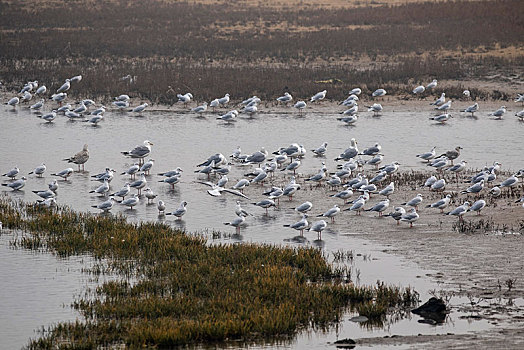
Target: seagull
(355,91)
(140,108)
(37,106)
(150,195)
(79,158)
(131,201)
(161,207)
(65,86)
(303,208)
(53,185)
(250,109)
(123,192)
(13,102)
(139,184)
(200,109)
(520,115)
(319,96)
(344,195)
(48,202)
(331,213)
(350,152)
(241,184)
(64,173)
(176,172)
(12,173)
(172,180)
(26,98)
(495,191)
(457,168)
(105,206)
(414,202)
(229,116)
(379,207)
(60,97)
(286,98)
(76,78)
(185,99)
(510,181)
(397,214)
(472,109)
(300,105)
(460,210)
(133,169)
(376,160)
(372,151)
(16,185)
(438,185)
(352,119)
(441,204)
(300,225)
(121,104)
(350,112)
(390,168)
(430,181)
(45,194)
(291,188)
(466,93)
(140,151)
(41,90)
(432,85)
(224,100)
(318,226)
(478,206)
(49,117)
(321,175)
(520,98)
(95,119)
(108,175)
(443,118)
(410,217)
(216,190)
(419,89)
(266,203)
(180,211)
(292,166)
(251,101)
(444,107)
(379,92)
(122,98)
(321,150)
(214,104)
(80,109)
(388,190)
(440,101)
(499,112)
(358,205)
(102,189)
(146,167)
(236,222)
(240,211)
(260,177)
(39,170)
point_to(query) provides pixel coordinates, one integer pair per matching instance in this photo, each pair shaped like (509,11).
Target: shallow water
(184,140)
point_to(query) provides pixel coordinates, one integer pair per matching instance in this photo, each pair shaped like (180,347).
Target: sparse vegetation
(213,49)
(176,289)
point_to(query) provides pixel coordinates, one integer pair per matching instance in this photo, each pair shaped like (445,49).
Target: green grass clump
(176,289)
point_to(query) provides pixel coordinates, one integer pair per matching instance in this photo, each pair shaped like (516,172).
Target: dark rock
(347,343)
(433,311)
(433,305)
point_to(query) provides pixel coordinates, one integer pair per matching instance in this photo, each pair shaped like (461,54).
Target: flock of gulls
(360,180)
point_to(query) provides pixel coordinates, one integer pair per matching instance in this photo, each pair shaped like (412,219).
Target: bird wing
(235,192)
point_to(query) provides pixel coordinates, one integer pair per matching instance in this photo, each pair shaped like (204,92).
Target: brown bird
(453,154)
(80,158)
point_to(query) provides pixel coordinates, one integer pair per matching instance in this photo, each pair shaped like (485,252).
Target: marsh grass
(176,289)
